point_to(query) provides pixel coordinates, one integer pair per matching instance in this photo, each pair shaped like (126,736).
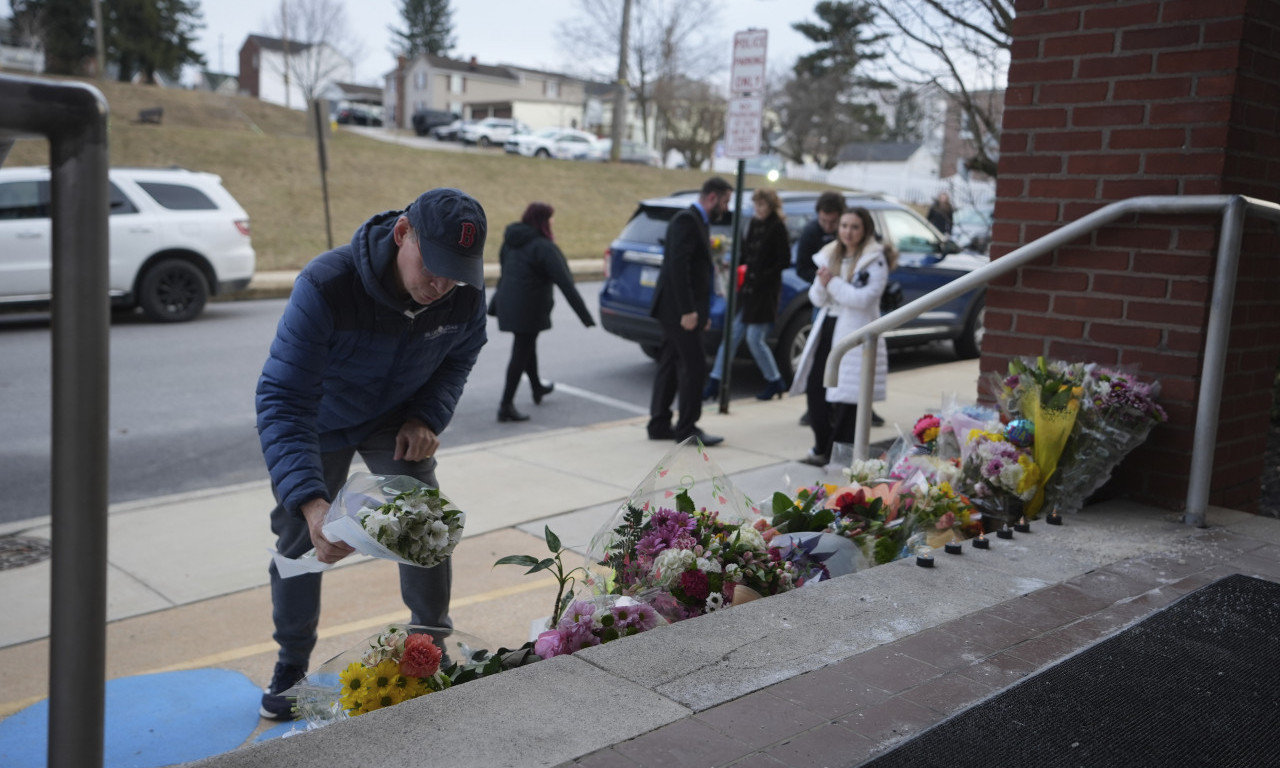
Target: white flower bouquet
(393,517)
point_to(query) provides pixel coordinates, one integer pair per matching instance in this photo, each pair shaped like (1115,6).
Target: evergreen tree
(66,29)
(842,46)
(908,118)
(428,28)
(149,36)
(825,100)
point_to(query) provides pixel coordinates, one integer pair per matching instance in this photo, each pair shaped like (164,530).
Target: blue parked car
(926,261)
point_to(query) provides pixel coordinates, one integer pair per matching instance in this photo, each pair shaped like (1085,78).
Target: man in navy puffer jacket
(371,355)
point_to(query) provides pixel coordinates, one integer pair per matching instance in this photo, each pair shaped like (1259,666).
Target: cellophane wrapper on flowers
(939,511)
(595,621)
(1117,414)
(401,662)
(685,541)
(392,517)
(1046,393)
(998,476)
(802,528)
(958,422)
(869,516)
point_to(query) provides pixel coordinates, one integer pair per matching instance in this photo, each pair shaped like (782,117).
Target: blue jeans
(755,333)
(295,602)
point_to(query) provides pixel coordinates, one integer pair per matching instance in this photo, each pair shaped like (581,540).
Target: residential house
(343,95)
(19,52)
(476,91)
(959,137)
(217,82)
(284,71)
(905,169)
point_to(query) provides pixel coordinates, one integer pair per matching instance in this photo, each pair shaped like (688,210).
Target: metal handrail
(74,118)
(1232,208)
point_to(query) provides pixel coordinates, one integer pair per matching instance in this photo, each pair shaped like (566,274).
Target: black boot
(508,412)
(772,389)
(712,390)
(542,390)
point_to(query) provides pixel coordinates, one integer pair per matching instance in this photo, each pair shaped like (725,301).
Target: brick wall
(1110,100)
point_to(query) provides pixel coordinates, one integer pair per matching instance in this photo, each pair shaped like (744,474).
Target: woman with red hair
(531,264)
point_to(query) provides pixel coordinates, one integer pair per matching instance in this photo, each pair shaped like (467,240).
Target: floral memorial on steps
(686,542)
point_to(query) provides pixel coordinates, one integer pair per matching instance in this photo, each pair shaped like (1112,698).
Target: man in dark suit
(682,305)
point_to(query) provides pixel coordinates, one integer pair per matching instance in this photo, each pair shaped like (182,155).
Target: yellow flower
(355,688)
(1030,475)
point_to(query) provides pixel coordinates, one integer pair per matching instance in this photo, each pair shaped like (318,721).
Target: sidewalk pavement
(826,675)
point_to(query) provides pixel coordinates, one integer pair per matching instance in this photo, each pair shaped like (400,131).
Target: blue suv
(926,261)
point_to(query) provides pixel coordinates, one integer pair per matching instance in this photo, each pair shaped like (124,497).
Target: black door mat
(1196,684)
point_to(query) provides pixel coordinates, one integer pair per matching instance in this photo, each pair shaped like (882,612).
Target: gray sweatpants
(295,601)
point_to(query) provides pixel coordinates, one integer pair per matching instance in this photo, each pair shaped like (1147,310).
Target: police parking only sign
(747,73)
(744,118)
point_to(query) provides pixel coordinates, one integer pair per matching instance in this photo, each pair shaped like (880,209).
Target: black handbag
(493,303)
(892,297)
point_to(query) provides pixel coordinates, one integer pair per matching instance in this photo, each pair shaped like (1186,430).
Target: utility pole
(620,95)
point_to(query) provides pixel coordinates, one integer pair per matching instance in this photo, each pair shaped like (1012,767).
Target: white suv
(559,142)
(176,238)
(491,131)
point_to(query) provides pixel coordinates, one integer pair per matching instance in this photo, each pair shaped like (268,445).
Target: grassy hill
(268,162)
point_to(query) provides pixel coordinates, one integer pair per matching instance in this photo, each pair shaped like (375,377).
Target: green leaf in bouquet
(886,550)
(553,541)
(781,504)
(525,560)
(684,503)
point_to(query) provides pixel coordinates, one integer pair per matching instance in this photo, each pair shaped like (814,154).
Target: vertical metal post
(731,294)
(1215,359)
(74,118)
(866,394)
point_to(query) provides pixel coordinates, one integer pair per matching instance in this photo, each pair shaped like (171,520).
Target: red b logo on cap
(468,238)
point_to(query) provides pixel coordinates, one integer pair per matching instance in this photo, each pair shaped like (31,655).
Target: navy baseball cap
(451,228)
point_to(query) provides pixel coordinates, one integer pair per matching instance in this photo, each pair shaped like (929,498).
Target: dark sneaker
(274,706)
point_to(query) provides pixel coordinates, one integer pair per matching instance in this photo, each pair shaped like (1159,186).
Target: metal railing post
(866,395)
(74,118)
(1215,361)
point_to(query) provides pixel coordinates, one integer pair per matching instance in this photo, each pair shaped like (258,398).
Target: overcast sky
(522,32)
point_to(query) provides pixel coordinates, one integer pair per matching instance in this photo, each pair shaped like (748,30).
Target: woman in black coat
(522,300)
(766,252)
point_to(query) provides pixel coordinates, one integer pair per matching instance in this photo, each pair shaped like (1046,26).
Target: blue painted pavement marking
(151,720)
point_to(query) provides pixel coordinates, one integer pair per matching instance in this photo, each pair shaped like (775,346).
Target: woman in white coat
(853,271)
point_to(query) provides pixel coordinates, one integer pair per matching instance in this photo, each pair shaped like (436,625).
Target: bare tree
(962,46)
(692,114)
(668,38)
(318,44)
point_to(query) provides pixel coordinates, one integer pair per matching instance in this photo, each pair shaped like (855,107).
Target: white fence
(920,190)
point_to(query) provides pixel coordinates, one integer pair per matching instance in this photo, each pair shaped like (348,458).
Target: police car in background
(926,260)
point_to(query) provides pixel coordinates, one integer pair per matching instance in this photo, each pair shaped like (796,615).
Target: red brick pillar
(1110,100)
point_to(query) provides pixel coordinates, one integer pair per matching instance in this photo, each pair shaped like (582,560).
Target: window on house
(456,84)
(551,88)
